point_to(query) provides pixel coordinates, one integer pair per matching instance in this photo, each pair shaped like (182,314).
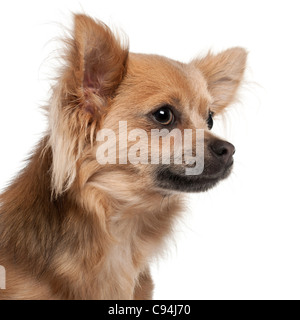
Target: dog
(72,228)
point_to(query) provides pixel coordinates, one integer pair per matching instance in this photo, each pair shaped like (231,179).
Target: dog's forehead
(158,75)
(198,85)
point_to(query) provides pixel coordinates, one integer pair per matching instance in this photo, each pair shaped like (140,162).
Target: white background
(240,240)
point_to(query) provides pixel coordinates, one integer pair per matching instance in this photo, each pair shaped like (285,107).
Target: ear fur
(95,64)
(103,58)
(223,73)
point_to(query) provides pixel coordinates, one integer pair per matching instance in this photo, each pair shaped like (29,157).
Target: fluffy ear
(223,73)
(94,66)
(97,61)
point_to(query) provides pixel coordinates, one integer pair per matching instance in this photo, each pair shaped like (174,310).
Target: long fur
(72,229)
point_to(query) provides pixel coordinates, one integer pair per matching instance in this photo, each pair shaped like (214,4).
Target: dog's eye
(210,121)
(164,116)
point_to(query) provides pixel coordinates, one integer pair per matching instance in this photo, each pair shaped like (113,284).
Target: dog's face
(144,97)
(159,93)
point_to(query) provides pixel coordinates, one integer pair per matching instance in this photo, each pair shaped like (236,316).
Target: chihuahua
(75,227)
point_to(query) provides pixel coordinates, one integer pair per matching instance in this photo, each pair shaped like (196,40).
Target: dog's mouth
(168,178)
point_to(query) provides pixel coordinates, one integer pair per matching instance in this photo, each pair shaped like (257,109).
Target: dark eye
(210,121)
(164,116)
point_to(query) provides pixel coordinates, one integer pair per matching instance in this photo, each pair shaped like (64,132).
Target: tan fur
(73,229)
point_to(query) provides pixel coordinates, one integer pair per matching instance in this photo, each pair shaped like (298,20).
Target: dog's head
(111,111)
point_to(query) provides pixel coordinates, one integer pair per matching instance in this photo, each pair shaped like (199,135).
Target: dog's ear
(97,63)
(94,65)
(223,73)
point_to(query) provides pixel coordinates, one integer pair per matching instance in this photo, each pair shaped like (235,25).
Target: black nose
(223,150)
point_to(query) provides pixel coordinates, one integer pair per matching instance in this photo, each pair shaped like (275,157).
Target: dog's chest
(128,255)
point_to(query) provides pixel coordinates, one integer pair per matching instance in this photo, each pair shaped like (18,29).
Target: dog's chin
(168,179)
